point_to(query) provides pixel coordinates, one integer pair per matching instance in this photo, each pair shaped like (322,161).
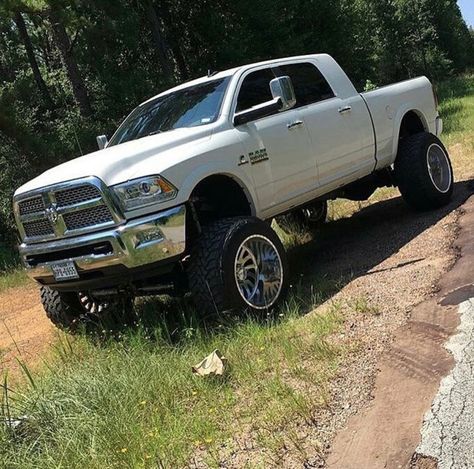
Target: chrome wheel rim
(92,305)
(439,168)
(258,272)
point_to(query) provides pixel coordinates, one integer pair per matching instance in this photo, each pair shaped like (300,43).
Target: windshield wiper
(155,132)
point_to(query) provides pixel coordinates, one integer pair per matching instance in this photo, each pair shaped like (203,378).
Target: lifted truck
(181,196)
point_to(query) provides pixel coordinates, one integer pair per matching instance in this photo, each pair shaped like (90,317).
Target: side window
(309,84)
(255,89)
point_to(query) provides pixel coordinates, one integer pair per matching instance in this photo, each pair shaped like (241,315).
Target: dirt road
(25,332)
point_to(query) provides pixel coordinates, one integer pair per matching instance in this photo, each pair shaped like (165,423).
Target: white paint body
(328,151)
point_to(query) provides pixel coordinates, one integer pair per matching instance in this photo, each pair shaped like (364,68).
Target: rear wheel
(423,172)
(307,219)
(238,263)
(70,310)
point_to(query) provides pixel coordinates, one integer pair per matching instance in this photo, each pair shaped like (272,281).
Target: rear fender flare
(402,112)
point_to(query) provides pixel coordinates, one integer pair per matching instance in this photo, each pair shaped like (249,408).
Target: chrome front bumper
(139,242)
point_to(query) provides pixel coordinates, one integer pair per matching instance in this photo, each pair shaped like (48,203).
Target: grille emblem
(52,213)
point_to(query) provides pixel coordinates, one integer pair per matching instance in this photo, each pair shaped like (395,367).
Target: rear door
(340,130)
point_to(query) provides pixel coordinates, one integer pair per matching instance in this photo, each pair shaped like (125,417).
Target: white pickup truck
(182,196)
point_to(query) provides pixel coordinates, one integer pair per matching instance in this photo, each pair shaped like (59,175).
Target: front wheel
(70,310)
(238,263)
(423,172)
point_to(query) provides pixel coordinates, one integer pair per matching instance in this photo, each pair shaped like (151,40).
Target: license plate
(64,271)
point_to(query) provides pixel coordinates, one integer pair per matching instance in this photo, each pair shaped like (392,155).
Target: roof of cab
(230,72)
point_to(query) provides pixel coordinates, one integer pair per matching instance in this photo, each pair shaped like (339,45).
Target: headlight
(144,191)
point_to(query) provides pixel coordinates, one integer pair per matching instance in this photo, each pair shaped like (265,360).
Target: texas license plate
(64,271)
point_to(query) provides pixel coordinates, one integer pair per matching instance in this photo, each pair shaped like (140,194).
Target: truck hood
(123,162)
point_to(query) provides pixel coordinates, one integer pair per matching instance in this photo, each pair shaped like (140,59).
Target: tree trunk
(20,23)
(63,44)
(172,35)
(180,62)
(161,45)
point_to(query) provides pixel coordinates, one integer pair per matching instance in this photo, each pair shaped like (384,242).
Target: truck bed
(389,103)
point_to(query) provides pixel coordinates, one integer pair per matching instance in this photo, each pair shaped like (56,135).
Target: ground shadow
(343,250)
(352,247)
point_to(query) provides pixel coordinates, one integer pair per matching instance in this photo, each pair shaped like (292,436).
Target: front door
(277,148)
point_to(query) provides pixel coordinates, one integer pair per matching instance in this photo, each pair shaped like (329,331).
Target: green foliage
(132,401)
(369,86)
(80,67)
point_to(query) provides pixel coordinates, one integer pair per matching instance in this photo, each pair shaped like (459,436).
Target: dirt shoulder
(25,331)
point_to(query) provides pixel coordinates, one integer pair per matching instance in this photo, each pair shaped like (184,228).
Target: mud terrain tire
(238,263)
(423,172)
(66,311)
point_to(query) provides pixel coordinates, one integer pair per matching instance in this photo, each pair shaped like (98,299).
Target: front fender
(203,171)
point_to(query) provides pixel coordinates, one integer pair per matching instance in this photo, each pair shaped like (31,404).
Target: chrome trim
(81,206)
(50,204)
(294,125)
(127,247)
(439,168)
(345,109)
(439,126)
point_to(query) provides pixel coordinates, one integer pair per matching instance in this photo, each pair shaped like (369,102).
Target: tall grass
(11,273)
(457,110)
(132,400)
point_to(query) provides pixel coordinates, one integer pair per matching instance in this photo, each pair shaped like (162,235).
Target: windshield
(189,107)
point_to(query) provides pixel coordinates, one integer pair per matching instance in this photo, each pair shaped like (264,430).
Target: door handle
(345,109)
(294,125)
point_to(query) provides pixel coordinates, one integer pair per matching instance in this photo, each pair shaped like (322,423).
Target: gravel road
(386,433)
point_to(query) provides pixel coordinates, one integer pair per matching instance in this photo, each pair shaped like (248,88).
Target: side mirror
(282,88)
(102,141)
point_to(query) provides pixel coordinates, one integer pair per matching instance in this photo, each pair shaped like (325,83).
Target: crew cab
(183,194)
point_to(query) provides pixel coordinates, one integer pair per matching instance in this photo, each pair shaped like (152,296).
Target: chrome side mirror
(282,88)
(102,141)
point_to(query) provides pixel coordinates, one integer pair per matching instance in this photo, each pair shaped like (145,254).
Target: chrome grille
(77,195)
(37,228)
(89,217)
(33,205)
(66,209)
